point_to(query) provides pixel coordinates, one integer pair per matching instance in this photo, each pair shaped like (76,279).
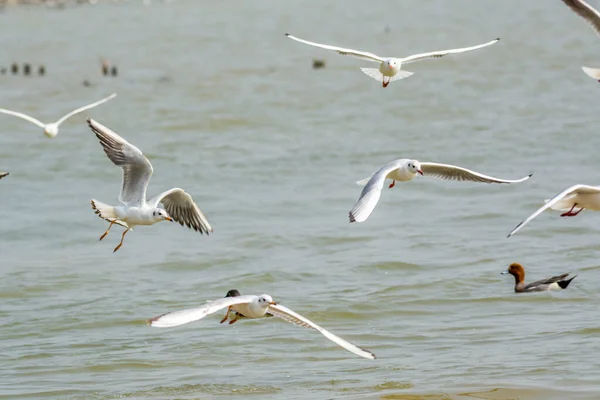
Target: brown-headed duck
(554,283)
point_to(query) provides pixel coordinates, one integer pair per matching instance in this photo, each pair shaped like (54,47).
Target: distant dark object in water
(42,70)
(104,68)
(113,71)
(14,68)
(26,69)
(86,83)
(387,29)
(318,64)
(2,71)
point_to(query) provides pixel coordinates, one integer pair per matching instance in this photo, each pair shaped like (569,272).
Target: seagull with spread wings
(51,129)
(389,67)
(592,17)
(136,210)
(251,306)
(404,170)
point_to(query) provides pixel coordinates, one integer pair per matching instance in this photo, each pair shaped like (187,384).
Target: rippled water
(229,109)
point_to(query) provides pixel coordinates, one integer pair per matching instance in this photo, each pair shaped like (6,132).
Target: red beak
(419,171)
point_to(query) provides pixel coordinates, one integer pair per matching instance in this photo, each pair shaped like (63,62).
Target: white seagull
(137,170)
(389,67)
(577,196)
(3,174)
(592,16)
(251,307)
(405,170)
(51,129)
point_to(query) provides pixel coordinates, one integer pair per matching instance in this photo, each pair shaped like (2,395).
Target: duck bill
(503,272)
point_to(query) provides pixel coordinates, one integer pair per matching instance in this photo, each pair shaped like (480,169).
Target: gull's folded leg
(226,315)
(392,184)
(106,233)
(121,243)
(232,321)
(570,213)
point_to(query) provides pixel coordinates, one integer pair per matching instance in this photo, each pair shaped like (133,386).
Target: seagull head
(265,300)
(51,130)
(414,167)
(392,64)
(158,214)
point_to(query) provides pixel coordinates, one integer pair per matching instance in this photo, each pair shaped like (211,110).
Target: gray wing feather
(452,172)
(585,11)
(137,170)
(545,282)
(182,208)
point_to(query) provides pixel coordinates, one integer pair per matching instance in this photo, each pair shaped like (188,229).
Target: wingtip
(497,38)
(530,175)
(287,34)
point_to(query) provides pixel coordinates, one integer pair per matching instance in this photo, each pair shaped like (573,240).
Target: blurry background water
(227,107)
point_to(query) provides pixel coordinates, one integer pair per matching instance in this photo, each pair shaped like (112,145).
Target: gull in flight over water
(405,170)
(3,174)
(51,129)
(592,16)
(389,67)
(577,196)
(136,210)
(251,307)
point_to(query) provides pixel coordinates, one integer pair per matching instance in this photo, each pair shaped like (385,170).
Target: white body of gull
(405,170)
(577,196)
(591,15)
(3,174)
(51,129)
(251,307)
(136,210)
(389,67)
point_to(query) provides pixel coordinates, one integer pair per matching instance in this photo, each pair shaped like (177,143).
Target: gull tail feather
(378,76)
(592,72)
(106,212)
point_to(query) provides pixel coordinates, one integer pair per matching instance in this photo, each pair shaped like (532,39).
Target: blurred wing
(442,53)
(104,100)
(137,170)
(25,117)
(576,189)
(547,281)
(347,52)
(3,174)
(290,316)
(177,318)
(585,11)
(371,192)
(181,208)
(454,173)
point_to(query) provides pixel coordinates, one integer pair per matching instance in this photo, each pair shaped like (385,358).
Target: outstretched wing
(181,317)
(137,170)
(347,52)
(442,53)
(288,315)
(23,116)
(181,207)
(77,111)
(585,11)
(573,190)
(452,172)
(371,192)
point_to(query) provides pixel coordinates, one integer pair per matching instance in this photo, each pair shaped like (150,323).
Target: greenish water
(229,109)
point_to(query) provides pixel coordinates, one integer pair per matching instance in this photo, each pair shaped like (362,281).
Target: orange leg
(121,243)
(106,233)
(384,83)
(570,213)
(237,316)
(226,315)
(392,184)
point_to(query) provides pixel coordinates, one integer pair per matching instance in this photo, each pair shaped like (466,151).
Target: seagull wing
(25,117)
(573,190)
(442,53)
(3,174)
(371,192)
(181,207)
(77,111)
(585,11)
(181,317)
(347,52)
(288,315)
(454,173)
(137,170)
